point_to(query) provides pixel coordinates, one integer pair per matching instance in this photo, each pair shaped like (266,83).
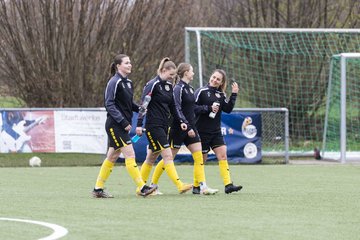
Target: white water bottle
(213,114)
(143,107)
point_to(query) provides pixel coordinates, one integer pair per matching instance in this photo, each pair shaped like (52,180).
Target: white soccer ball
(35,161)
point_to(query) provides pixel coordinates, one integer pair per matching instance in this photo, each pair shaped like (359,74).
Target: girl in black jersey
(119,106)
(159,111)
(212,100)
(183,130)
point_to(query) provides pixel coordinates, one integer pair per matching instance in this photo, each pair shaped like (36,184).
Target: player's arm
(110,106)
(146,91)
(200,107)
(178,104)
(228,105)
(135,107)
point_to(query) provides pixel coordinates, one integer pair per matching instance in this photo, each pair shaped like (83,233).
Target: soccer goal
(279,68)
(341,139)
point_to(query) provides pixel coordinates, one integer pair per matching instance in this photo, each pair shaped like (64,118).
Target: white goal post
(288,68)
(344,155)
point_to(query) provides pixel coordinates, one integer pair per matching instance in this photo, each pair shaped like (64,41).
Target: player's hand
(191,133)
(128,128)
(215,108)
(139,131)
(234,87)
(183,126)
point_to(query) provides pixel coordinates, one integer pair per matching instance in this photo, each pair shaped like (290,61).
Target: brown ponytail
(181,69)
(117,60)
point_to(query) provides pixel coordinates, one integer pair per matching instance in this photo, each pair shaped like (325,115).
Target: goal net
(275,68)
(342,120)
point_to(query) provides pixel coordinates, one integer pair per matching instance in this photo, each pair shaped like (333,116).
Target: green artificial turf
(277,202)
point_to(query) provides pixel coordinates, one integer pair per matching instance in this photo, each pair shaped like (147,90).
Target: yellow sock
(172,173)
(159,169)
(199,171)
(105,170)
(145,171)
(134,172)
(224,171)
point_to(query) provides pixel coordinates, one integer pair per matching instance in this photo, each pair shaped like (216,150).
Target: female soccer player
(183,130)
(119,106)
(212,101)
(159,111)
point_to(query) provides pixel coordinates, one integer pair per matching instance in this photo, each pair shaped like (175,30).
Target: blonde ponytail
(166,63)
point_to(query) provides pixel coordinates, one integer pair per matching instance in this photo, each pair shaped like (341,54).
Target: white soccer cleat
(156,192)
(208,191)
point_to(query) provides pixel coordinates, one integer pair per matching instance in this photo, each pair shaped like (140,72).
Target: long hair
(167,64)
(223,85)
(117,60)
(181,69)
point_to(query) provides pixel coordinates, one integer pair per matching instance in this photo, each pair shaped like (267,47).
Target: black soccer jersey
(161,105)
(184,104)
(205,97)
(119,102)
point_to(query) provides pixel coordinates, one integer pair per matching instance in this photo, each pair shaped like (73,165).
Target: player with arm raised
(183,130)
(212,100)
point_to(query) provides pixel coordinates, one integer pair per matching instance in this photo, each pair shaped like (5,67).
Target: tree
(58,53)
(303,110)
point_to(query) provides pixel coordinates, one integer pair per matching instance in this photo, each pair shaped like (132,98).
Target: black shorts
(117,135)
(157,137)
(211,141)
(177,137)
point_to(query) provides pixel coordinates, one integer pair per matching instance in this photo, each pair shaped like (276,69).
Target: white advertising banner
(80,131)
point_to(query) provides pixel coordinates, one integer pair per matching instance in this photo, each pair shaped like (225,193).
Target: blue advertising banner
(242,134)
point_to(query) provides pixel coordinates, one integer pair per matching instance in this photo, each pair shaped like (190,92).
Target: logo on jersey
(167,87)
(208,93)
(129,85)
(218,95)
(248,129)
(191,90)
(250,150)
